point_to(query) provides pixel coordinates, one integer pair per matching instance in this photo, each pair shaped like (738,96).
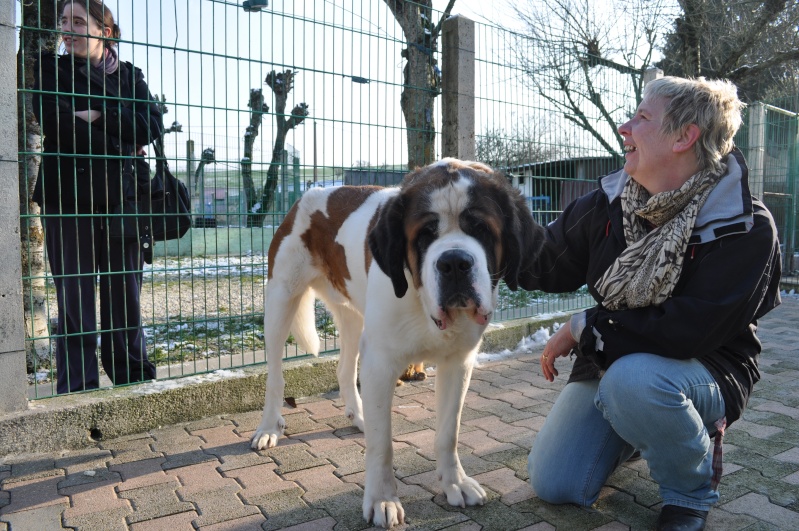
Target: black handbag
(170,204)
(161,213)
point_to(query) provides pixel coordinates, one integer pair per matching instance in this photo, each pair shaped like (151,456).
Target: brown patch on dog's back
(320,238)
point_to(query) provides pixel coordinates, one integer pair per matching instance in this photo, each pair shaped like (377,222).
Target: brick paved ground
(202,475)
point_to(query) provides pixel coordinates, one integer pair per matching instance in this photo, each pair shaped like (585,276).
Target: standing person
(95,112)
(682,262)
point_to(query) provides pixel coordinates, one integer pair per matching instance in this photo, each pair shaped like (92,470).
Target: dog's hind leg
(350,325)
(280,308)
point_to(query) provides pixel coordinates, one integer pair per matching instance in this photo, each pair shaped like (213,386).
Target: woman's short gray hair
(712,105)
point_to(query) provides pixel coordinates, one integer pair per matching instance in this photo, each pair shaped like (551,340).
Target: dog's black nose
(454,263)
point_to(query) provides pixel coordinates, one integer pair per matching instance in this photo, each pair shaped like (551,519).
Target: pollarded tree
(258,109)
(281,84)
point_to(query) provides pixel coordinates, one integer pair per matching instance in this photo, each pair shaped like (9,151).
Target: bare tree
(281,84)
(754,44)
(32,43)
(421,76)
(522,144)
(586,65)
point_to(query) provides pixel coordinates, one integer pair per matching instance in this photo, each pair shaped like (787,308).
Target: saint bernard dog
(409,274)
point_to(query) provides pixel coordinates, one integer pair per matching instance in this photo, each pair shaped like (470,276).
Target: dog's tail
(304,325)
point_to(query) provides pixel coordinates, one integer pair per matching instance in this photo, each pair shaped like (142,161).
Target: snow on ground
(245,265)
(158,386)
(527,344)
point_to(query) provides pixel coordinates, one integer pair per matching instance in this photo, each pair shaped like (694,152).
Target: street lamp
(254,5)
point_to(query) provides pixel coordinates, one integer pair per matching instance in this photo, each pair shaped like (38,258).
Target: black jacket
(82,162)
(730,278)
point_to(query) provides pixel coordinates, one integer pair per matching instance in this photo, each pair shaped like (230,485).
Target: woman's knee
(567,463)
(552,485)
(629,383)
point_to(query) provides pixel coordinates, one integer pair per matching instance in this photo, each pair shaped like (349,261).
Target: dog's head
(457,227)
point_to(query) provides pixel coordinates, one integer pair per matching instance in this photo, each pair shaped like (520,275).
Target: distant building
(373,176)
(551,185)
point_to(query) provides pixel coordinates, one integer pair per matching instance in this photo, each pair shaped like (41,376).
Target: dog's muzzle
(455,269)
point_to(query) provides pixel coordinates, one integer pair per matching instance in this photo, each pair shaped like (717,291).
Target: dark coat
(82,162)
(730,278)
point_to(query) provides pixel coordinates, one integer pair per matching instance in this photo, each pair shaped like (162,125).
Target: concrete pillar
(457,82)
(756,152)
(652,73)
(13,383)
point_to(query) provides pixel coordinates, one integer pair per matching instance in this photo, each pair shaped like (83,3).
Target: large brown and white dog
(410,274)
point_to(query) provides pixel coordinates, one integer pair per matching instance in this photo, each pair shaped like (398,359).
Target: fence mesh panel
(222,75)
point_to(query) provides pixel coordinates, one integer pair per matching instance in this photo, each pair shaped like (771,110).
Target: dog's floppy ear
(388,243)
(521,240)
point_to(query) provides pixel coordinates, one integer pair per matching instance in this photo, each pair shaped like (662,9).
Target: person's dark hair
(101,13)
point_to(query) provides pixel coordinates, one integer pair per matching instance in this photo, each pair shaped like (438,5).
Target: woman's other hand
(558,345)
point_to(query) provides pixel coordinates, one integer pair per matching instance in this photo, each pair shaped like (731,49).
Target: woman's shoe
(674,518)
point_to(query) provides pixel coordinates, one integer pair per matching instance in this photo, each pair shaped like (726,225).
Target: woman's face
(648,153)
(75,19)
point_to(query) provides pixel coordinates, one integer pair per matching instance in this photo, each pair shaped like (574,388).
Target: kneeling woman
(682,261)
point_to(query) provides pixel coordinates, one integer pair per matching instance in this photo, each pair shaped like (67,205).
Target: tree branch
(747,72)
(771,10)
(444,17)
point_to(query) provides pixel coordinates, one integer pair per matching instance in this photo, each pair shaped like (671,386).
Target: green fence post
(793,175)
(757,148)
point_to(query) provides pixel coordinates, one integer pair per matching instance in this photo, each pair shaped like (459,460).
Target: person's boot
(674,518)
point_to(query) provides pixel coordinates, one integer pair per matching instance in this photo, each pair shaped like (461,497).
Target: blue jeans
(663,407)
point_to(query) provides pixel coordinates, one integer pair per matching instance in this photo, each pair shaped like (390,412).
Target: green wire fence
(263,103)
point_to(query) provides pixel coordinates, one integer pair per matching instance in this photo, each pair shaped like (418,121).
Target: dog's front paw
(384,513)
(267,434)
(465,491)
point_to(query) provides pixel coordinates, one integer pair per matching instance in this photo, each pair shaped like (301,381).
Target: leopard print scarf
(646,272)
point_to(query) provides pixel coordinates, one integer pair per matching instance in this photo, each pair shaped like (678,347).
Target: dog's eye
(477,228)
(427,234)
